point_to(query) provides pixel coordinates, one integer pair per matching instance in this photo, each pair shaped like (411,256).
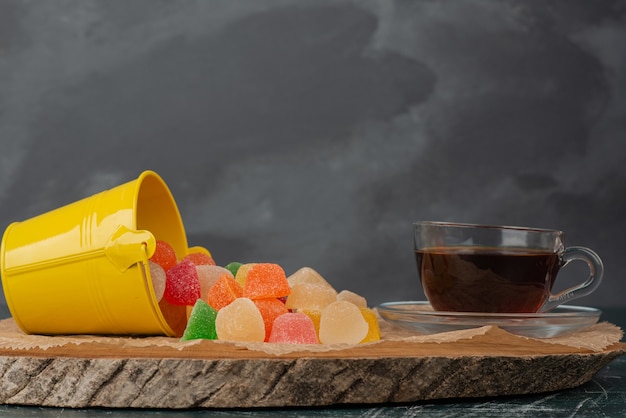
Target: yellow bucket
(83,268)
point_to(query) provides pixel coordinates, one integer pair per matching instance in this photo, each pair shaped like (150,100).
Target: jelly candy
(164,255)
(223,292)
(200,259)
(201,322)
(242,273)
(157,274)
(315,316)
(240,321)
(293,328)
(256,302)
(307,275)
(358,300)
(265,280)
(181,284)
(310,296)
(174,315)
(208,275)
(199,249)
(233,267)
(342,323)
(188,310)
(373,333)
(270,309)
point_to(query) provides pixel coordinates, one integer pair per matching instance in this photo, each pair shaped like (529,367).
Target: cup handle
(596,271)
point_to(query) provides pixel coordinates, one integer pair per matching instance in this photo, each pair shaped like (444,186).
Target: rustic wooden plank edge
(176,383)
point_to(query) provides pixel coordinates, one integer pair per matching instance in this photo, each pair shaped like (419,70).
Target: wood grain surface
(221,375)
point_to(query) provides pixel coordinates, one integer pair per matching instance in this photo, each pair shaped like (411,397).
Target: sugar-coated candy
(188,310)
(293,328)
(200,259)
(270,309)
(242,273)
(223,292)
(157,274)
(311,296)
(255,302)
(315,317)
(199,249)
(208,275)
(240,321)
(233,267)
(175,316)
(266,280)
(307,275)
(358,300)
(373,333)
(201,322)
(342,323)
(164,255)
(181,284)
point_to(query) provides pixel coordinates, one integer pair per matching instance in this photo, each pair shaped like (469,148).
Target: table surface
(604,395)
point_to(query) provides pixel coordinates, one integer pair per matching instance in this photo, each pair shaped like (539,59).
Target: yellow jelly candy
(373,333)
(242,273)
(315,316)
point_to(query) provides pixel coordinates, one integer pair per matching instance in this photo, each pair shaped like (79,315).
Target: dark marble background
(312,133)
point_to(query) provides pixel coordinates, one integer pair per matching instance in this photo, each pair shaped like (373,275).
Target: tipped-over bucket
(83,268)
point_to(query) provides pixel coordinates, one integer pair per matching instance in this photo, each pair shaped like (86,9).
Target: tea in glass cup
(497,269)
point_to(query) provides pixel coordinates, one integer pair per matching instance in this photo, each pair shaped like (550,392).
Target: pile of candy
(257,302)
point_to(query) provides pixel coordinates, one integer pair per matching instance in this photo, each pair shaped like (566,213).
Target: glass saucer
(420,316)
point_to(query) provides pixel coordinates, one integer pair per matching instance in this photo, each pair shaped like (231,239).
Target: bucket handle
(127,247)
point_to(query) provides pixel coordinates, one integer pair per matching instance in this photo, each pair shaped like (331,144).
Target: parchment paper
(595,338)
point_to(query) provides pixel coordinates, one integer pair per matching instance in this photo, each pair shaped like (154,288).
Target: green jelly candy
(201,323)
(233,267)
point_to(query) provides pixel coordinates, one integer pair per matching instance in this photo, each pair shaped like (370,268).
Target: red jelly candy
(164,255)
(200,259)
(182,286)
(266,280)
(270,308)
(293,328)
(224,292)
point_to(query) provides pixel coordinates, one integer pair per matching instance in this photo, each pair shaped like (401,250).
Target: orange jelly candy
(164,255)
(223,292)
(266,280)
(270,308)
(200,259)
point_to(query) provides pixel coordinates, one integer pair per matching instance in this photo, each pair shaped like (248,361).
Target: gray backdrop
(313,133)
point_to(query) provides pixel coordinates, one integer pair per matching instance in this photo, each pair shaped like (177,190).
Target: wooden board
(222,375)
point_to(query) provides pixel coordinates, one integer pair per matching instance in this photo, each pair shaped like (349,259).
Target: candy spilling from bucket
(259,306)
(118,263)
